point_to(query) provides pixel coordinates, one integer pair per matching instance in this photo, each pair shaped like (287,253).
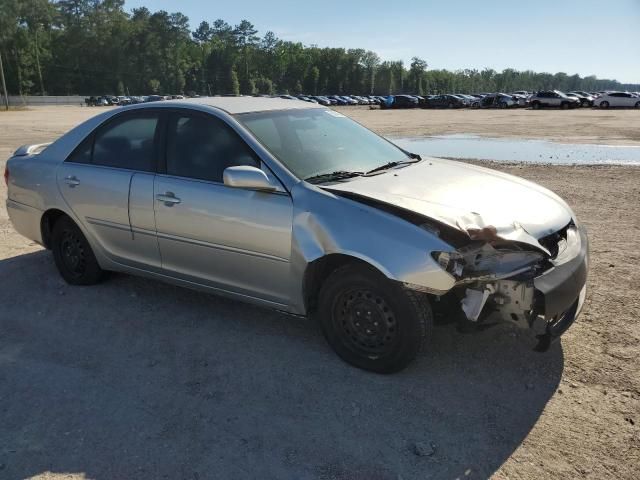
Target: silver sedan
(293,206)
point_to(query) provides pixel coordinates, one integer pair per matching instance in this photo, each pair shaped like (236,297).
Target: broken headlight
(452,262)
(485,262)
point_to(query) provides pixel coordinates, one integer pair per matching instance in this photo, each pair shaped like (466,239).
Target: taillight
(6,175)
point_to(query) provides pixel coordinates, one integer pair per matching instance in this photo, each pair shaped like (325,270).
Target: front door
(228,238)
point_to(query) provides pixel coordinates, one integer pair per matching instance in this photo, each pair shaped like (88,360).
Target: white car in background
(617,99)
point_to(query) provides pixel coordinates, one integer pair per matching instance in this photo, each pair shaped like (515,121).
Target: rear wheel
(450,105)
(371,322)
(535,105)
(604,104)
(73,255)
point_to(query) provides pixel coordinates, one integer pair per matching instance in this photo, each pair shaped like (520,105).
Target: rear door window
(127,143)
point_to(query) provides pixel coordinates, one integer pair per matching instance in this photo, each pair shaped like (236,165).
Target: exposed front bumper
(560,286)
(561,291)
(547,304)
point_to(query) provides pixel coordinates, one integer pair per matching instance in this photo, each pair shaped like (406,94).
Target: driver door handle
(72,181)
(168,198)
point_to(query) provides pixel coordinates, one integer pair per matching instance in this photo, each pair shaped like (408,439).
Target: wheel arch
(317,272)
(47,222)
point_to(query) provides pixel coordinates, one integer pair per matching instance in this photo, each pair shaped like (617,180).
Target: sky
(588,37)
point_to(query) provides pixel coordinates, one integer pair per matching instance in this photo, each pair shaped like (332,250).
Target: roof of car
(235,105)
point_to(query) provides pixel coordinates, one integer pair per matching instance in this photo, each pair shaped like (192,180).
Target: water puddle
(518,150)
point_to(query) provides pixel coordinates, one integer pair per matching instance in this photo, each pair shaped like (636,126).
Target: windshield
(316,141)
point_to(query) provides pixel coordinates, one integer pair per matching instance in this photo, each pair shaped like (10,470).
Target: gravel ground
(137,379)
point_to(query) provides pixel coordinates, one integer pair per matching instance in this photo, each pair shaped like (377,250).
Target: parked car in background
(472,101)
(339,100)
(111,99)
(553,98)
(96,101)
(585,94)
(617,99)
(322,100)
(401,101)
(444,101)
(306,98)
(585,101)
(498,100)
(350,99)
(154,98)
(521,100)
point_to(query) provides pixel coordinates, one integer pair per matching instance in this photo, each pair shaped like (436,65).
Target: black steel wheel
(365,321)
(73,255)
(371,322)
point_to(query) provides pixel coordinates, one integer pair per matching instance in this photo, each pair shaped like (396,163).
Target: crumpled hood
(468,197)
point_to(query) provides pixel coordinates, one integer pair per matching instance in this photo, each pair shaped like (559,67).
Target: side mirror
(250,178)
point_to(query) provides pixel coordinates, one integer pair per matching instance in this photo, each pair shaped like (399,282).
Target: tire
(564,105)
(637,105)
(502,105)
(535,105)
(604,104)
(73,255)
(371,322)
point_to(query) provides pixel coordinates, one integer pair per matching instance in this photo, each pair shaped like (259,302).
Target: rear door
(96,180)
(228,238)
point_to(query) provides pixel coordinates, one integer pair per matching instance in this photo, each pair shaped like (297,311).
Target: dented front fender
(325,224)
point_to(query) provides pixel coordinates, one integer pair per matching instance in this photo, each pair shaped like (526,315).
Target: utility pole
(4,85)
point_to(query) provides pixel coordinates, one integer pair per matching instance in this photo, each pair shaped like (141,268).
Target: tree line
(95,47)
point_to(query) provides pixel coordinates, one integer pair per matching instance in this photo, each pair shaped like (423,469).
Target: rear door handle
(72,181)
(168,198)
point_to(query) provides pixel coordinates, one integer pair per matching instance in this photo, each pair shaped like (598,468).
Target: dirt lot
(137,379)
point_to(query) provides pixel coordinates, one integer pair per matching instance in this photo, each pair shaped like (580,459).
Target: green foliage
(265,86)
(154,85)
(233,86)
(95,47)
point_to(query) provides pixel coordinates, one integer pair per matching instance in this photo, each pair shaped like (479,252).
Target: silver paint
(257,245)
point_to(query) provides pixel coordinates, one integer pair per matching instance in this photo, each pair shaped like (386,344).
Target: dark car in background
(322,100)
(444,101)
(400,101)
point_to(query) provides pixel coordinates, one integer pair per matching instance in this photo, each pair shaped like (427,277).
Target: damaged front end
(536,284)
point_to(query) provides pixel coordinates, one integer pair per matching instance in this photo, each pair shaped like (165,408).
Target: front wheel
(73,255)
(371,322)
(604,104)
